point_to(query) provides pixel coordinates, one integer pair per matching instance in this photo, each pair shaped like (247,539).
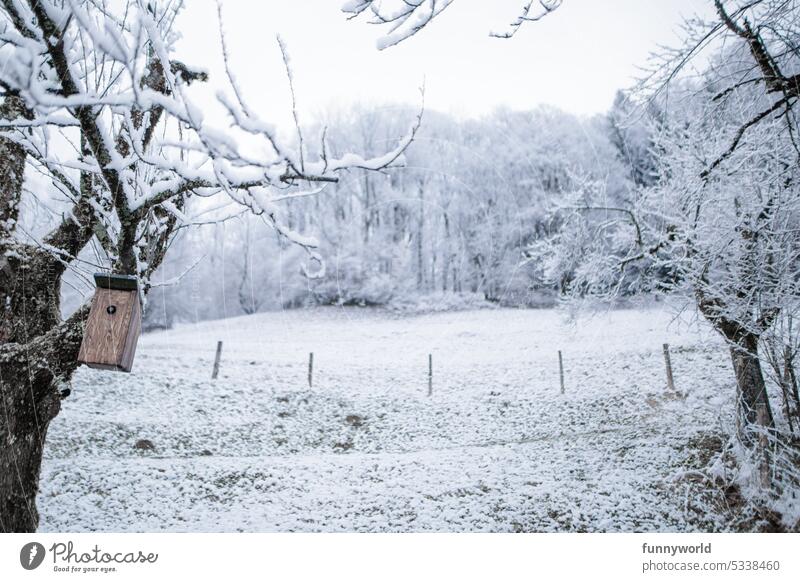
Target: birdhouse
(114,324)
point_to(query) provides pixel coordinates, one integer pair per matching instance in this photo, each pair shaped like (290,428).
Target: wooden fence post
(310,369)
(430,374)
(561,370)
(216,361)
(668,362)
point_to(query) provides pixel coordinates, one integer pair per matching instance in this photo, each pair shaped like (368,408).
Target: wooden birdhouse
(114,324)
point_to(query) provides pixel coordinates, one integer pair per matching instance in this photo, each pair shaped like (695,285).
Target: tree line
(460,217)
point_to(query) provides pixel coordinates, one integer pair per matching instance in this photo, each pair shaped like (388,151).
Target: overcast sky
(574,59)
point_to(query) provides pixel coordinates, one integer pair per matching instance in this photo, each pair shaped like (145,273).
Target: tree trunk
(29,310)
(28,408)
(30,377)
(751,388)
(790,386)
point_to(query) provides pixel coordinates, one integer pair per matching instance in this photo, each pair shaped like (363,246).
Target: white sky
(575,59)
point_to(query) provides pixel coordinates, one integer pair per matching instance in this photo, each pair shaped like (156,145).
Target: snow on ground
(495,448)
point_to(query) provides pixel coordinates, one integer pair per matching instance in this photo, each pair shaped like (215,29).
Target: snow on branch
(104,79)
(529,14)
(405,18)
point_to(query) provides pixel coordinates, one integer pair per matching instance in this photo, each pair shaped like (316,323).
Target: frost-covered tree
(98,131)
(719,226)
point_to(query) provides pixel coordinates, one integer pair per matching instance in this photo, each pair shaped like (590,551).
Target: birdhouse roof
(113,281)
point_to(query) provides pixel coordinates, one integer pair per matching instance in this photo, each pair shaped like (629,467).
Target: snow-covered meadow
(495,448)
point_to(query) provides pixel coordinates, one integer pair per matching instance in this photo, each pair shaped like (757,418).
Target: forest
(457,224)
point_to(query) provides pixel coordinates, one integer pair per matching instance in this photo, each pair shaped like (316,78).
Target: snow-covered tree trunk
(31,399)
(751,388)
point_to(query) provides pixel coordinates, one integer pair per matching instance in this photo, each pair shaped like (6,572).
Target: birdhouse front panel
(113,327)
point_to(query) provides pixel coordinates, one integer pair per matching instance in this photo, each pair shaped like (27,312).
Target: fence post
(668,362)
(217,358)
(430,374)
(310,369)
(763,447)
(561,370)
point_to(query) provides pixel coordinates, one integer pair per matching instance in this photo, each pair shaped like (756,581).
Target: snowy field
(495,448)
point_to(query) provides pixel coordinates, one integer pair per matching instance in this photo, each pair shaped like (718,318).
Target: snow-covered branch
(405,18)
(104,80)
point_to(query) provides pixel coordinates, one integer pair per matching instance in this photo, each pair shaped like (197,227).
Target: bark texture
(30,376)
